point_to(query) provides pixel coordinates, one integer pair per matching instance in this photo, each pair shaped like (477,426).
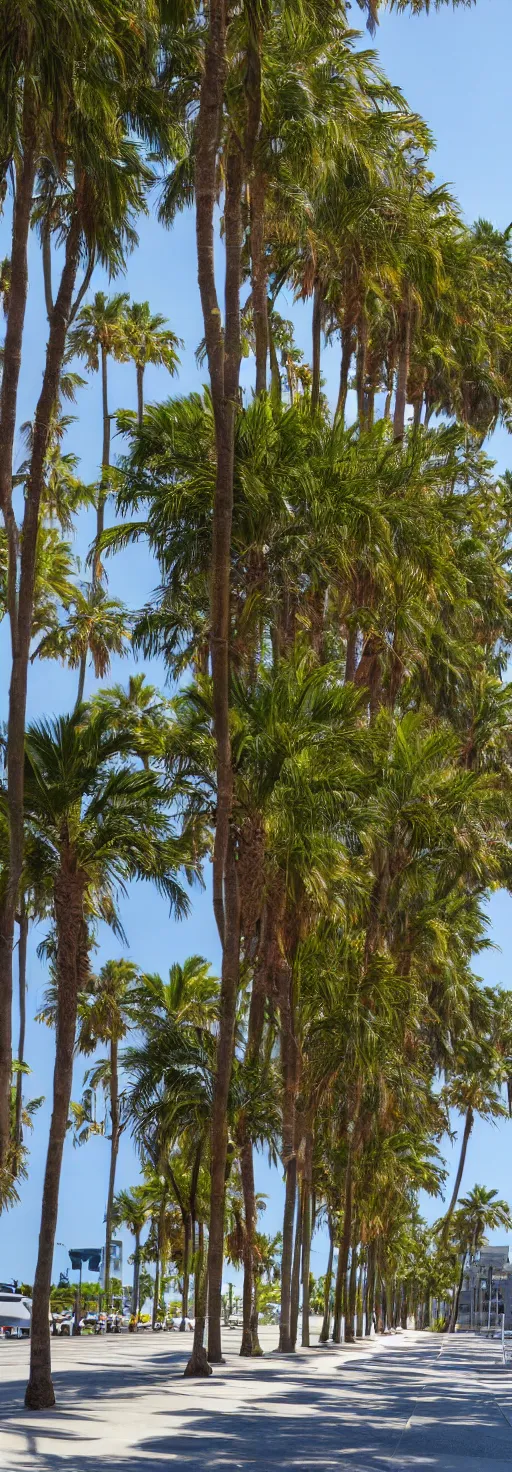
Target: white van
(15,1315)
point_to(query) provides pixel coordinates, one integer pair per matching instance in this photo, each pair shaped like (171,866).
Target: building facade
(487,1289)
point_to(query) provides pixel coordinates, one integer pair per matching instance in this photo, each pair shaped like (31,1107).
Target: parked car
(15,1316)
(175,1323)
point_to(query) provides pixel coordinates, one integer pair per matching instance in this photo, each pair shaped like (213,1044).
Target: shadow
(405,1407)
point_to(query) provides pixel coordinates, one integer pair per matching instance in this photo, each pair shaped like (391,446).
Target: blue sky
(454,69)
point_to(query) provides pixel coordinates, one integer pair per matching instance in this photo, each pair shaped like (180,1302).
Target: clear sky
(454,69)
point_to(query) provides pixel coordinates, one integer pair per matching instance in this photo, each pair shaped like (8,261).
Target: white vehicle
(177,1322)
(15,1316)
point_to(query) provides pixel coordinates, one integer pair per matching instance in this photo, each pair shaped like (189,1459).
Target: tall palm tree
(478,1213)
(96,626)
(93,821)
(475,1090)
(168,1098)
(90,182)
(99,334)
(131,1209)
(148,339)
(107,1012)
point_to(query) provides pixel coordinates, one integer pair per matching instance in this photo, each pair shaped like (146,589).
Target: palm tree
(475,1089)
(131,1209)
(99,334)
(90,186)
(148,339)
(96,626)
(106,1014)
(93,821)
(168,1098)
(478,1213)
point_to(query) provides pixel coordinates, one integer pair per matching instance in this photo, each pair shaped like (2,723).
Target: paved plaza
(411,1402)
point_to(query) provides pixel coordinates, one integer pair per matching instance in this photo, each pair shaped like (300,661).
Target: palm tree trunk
(20,607)
(198,1364)
(136,1275)
(341,1275)
(68,899)
(81,678)
(295,1282)
(290,1072)
(347,348)
(456,1300)
(370,1285)
(223,352)
(225,884)
(22,999)
(114,1150)
(187,1235)
(259,278)
(275,372)
(403,373)
(325,1330)
(105,466)
(219,1131)
(140,394)
(249,1194)
(351,1296)
(306,1256)
(361,360)
(317,342)
(468,1126)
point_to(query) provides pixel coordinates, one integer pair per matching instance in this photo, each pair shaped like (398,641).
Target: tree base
(197,1367)
(40,1395)
(216,1359)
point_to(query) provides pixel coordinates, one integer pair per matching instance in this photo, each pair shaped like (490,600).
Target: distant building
(487,1288)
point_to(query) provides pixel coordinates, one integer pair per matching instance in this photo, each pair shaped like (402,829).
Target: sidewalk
(411,1402)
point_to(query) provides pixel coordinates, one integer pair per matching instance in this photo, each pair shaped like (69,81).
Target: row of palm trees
(334,611)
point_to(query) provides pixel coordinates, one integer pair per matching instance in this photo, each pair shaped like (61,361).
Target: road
(408,1403)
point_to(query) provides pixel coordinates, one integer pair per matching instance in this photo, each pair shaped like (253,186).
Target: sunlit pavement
(412,1402)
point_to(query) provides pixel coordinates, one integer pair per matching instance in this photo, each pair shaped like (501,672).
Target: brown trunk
(259,278)
(136,1275)
(351,1298)
(187,1242)
(403,373)
(296,1277)
(370,1286)
(468,1126)
(306,1254)
(219,1131)
(290,1072)
(68,900)
(224,366)
(344,1249)
(317,343)
(351,653)
(347,348)
(198,1365)
(418,406)
(105,466)
(249,1193)
(456,1298)
(81,678)
(324,1332)
(11,366)
(362,354)
(275,372)
(114,1150)
(140,394)
(20,612)
(22,1001)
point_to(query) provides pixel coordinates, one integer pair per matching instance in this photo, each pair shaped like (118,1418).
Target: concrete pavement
(390,1405)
